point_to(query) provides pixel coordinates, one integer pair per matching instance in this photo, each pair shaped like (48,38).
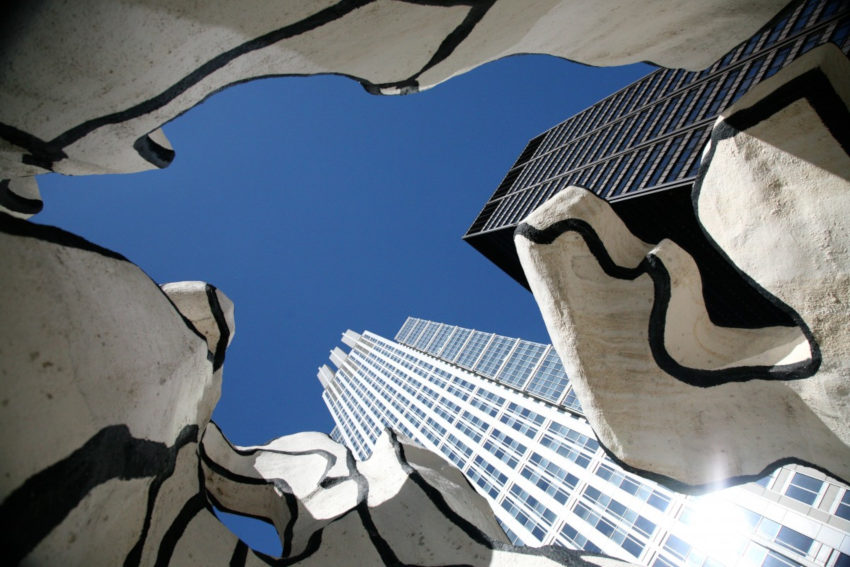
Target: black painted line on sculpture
(42,154)
(330,482)
(217,505)
(441,3)
(437,498)
(291,502)
(19,227)
(565,557)
(476,13)
(152,152)
(310,23)
(329,457)
(175,531)
(314,541)
(187,435)
(27,229)
(281,485)
(313,544)
(14,202)
(240,555)
(45,499)
(385,551)
(223,471)
(591,238)
(451,42)
(221,323)
(703,378)
(813,86)
(387,555)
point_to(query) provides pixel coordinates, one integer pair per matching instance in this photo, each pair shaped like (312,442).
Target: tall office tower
(645,140)
(503,411)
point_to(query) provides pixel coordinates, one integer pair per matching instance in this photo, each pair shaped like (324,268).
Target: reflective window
(843,508)
(550,380)
(455,344)
(804,488)
(494,356)
(440,339)
(524,358)
(473,349)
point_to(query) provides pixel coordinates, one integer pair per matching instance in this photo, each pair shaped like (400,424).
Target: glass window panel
(804,488)
(843,509)
(520,363)
(455,344)
(473,349)
(494,356)
(794,540)
(550,380)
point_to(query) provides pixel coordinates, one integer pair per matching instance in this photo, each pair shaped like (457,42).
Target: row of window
(623,173)
(584,150)
(513,362)
(656,86)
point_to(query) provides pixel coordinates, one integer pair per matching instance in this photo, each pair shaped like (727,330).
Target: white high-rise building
(503,411)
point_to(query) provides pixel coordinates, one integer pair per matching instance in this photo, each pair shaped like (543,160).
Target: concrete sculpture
(669,392)
(109,458)
(108,381)
(86,87)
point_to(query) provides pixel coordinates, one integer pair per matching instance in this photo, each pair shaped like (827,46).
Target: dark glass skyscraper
(645,139)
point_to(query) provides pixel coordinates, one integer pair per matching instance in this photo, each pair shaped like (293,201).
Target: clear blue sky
(317,207)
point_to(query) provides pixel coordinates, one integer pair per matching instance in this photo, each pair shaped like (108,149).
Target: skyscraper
(503,411)
(645,141)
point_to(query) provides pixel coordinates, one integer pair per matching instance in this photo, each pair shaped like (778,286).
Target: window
(794,540)
(550,380)
(571,402)
(700,105)
(627,175)
(803,18)
(455,344)
(778,61)
(804,488)
(839,36)
(473,349)
(522,419)
(684,155)
(521,361)
(440,339)
(750,76)
(495,354)
(843,508)
(717,103)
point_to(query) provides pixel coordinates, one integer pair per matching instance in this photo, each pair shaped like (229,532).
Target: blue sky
(317,207)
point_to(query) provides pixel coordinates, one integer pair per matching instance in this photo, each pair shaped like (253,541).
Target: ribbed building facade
(647,137)
(503,411)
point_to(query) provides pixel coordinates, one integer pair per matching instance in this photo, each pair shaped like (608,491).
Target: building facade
(503,411)
(645,139)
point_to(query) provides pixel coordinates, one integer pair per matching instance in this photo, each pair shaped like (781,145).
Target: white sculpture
(108,381)
(87,86)
(109,457)
(667,391)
